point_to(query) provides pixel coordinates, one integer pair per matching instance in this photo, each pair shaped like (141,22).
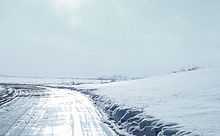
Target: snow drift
(186,103)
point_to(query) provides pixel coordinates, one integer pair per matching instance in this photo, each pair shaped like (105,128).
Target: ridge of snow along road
(184,103)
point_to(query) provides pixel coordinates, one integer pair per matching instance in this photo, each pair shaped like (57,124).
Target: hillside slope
(190,99)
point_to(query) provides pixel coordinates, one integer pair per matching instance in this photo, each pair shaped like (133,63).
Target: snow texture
(39,111)
(185,103)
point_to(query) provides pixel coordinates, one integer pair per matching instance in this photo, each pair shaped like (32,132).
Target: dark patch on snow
(187,69)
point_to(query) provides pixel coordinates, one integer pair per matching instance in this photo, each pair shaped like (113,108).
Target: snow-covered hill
(189,99)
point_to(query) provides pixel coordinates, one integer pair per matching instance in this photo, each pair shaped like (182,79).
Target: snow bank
(12,91)
(1,88)
(185,103)
(6,94)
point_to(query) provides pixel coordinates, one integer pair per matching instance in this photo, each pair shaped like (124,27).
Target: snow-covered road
(58,113)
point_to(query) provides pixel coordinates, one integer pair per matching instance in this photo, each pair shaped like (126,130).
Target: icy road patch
(51,112)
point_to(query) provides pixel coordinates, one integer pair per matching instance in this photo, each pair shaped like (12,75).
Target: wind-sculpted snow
(185,103)
(125,120)
(6,94)
(9,92)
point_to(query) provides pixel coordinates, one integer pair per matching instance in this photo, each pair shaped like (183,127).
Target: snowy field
(184,103)
(49,81)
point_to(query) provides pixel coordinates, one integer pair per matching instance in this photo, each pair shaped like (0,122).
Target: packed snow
(190,100)
(32,110)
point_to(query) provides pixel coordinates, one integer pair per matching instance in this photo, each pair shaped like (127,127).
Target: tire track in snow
(63,112)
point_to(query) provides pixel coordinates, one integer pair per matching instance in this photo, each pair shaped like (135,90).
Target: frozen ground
(37,111)
(49,81)
(184,103)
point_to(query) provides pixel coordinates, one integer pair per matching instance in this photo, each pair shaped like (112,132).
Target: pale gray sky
(105,37)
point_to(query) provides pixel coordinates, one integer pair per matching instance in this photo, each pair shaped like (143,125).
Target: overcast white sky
(106,37)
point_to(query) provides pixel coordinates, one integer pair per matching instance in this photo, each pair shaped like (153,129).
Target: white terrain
(184,103)
(180,103)
(28,110)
